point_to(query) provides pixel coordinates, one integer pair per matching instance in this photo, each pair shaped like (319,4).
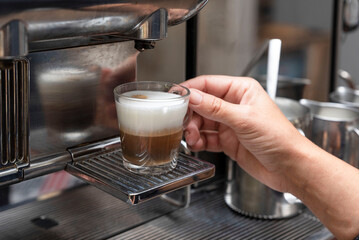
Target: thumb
(213,108)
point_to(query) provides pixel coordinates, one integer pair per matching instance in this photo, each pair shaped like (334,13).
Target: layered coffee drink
(152,150)
(151,128)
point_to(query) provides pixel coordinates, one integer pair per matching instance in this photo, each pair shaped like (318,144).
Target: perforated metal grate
(210,218)
(83,213)
(107,172)
(88,213)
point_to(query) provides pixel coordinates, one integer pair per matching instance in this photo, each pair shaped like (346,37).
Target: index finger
(224,87)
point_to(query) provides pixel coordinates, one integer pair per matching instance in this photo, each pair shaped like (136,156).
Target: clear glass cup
(151,117)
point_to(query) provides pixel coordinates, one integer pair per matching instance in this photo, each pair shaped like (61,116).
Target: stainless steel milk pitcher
(335,129)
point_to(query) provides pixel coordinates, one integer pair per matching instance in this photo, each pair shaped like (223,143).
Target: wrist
(327,186)
(302,156)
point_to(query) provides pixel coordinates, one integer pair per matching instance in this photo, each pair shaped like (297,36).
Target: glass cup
(151,117)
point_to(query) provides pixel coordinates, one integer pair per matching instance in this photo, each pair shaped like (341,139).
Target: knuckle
(216,106)
(255,83)
(247,116)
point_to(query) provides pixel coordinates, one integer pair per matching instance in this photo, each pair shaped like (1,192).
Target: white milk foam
(151,115)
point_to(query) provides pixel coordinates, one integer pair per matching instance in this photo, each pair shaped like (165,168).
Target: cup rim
(178,97)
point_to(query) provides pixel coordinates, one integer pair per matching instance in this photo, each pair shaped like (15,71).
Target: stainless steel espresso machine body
(59,64)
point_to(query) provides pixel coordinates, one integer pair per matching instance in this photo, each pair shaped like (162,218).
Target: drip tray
(106,171)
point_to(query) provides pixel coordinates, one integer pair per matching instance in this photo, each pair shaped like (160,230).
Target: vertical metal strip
(24,103)
(20,108)
(8,114)
(14,113)
(335,42)
(1,118)
(6,120)
(11,113)
(191,47)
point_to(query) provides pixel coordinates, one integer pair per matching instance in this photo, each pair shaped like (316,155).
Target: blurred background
(316,42)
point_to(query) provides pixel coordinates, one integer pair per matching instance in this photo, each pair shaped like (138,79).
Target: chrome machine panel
(75,52)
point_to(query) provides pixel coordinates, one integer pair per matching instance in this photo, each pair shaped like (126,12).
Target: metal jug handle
(354,130)
(184,148)
(353,146)
(291,199)
(301,131)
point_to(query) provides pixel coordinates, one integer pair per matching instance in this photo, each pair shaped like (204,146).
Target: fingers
(214,108)
(220,101)
(204,141)
(202,134)
(192,134)
(225,87)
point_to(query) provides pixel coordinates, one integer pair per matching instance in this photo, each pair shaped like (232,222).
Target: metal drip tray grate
(106,171)
(208,217)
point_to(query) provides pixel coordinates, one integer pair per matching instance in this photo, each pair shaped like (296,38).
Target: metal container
(335,129)
(250,197)
(346,96)
(288,87)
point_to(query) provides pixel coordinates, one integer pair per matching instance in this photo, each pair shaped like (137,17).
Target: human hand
(235,115)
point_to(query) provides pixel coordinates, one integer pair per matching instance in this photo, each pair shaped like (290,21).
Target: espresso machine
(59,62)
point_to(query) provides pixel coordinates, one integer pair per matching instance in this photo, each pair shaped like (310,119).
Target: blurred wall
(227,36)
(304,13)
(230,31)
(305,28)
(349,55)
(226,33)
(166,62)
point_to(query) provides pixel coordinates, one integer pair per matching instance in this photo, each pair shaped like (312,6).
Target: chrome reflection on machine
(75,53)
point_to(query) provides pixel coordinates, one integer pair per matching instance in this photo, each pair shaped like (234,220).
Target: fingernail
(188,139)
(186,133)
(196,98)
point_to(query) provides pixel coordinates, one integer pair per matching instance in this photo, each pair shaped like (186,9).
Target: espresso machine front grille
(14,104)
(59,64)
